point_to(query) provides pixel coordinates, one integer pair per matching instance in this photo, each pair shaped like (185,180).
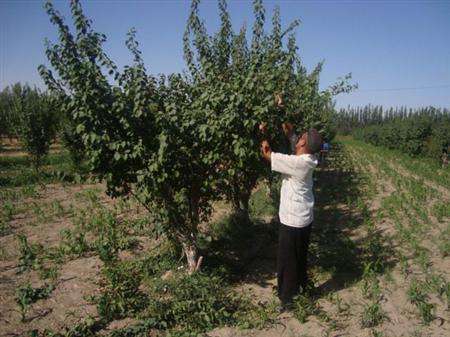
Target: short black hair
(313,141)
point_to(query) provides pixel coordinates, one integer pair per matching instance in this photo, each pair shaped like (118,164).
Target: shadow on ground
(246,249)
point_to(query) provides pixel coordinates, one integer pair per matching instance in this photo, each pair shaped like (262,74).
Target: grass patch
(18,171)
(27,295)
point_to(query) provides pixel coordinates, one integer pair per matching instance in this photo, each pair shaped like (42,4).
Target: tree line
(420,131)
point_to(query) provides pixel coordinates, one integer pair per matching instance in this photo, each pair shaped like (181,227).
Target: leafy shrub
(74,243)
(194,303)
(111,236)
(439,139)
(165,258)
(26,295)
(420,132)
(7,117)
(304,306)
(375,251)
(6,213)
(180,142)
(372,315)
(36,122)
(418,296)
(72,140)
(120,295)
(28,253)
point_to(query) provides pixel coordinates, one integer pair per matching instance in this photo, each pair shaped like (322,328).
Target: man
(324,153)
(296,208)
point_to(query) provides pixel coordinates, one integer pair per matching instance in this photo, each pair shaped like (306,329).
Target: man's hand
(263,128)
(279,101)
(288,129)
(265,150)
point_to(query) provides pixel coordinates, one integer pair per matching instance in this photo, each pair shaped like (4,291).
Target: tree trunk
(189,244)
(235,200)
(193,260)
(243,210)
(240,203)
(244,200)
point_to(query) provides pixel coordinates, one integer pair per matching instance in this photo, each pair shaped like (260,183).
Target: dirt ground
(77,278)
(69,303)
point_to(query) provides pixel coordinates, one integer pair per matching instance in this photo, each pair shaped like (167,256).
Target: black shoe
(285,307)
(280,309)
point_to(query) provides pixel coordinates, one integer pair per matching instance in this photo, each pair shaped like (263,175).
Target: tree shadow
(246,249)
(332,250)
(242,249)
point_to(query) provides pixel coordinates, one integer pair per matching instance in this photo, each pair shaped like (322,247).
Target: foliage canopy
(180,142)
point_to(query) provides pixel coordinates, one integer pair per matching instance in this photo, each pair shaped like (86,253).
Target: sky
(397,51)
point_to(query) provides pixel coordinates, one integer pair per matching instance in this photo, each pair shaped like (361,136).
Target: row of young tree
(350,118)
(31,116)
(178,143)
(34,117)
(421,131)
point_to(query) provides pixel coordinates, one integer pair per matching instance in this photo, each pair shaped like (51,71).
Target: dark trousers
(292,261)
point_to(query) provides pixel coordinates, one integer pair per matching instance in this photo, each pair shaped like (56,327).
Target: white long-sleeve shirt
(297,199)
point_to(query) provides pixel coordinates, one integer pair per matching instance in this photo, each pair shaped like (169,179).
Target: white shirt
(297,199)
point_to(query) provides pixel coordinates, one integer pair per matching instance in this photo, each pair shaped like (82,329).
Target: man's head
(309,142)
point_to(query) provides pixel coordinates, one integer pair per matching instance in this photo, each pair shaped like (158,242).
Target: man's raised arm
(265,146)
(288,129)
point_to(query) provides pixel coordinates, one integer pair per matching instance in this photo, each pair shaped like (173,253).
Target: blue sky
(402,45)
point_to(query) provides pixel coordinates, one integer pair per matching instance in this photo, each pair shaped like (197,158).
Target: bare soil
(340,293)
